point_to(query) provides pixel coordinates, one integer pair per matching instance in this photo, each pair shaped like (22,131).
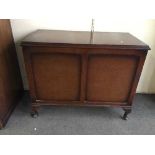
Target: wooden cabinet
(10,77)
(71,68)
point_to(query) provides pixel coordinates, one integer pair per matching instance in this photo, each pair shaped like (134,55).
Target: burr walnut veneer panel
(110,77)
(57,76)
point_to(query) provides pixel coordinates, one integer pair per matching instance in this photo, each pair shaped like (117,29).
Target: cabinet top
(80,38)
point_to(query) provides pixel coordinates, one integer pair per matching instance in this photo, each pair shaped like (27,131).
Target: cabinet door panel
(110,77)
(57,76)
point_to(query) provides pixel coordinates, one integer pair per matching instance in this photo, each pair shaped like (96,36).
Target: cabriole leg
(127,111)
(34,112)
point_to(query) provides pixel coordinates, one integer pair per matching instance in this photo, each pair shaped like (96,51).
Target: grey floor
(83,120)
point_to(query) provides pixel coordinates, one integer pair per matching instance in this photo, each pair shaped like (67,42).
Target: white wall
(143,29)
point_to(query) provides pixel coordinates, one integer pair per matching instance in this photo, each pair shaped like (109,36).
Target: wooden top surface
(106,39)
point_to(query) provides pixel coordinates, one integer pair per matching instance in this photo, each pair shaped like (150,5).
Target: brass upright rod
(92,31)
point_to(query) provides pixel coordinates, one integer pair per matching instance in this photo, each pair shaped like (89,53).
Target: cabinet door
(110,76)
(56,73)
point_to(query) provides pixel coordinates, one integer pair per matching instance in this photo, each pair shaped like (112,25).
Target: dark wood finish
(110,77)
(34,112)
(10,78)
(65,81)
(66,68)
(127,111)
(82,39)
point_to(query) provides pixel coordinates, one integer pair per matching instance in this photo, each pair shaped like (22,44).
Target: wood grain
(64,68)
(10,77)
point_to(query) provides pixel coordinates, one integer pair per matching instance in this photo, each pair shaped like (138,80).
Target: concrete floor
(83,120)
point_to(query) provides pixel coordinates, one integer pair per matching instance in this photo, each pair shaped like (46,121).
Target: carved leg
(34,112)
(127,111)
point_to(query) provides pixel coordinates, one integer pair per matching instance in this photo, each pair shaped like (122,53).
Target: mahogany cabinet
(10,77)
(80,69)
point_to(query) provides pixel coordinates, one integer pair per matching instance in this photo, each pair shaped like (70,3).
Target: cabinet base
(4,119)
(34,111)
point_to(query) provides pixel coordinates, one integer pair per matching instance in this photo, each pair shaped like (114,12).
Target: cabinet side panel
(57,76)
(3,107)
(11,82)
(110,77)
